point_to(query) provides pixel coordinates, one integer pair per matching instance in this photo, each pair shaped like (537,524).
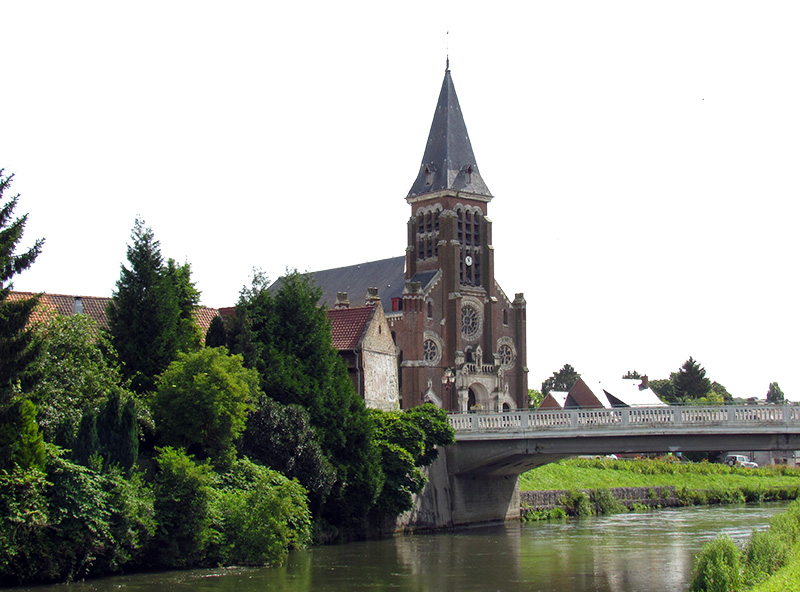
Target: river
(651,551)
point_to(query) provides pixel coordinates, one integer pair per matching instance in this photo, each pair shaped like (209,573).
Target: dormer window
(428,175)
(468,174)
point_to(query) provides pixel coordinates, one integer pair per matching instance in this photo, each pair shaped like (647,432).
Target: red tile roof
(348,325)
(94,307)
(63,305)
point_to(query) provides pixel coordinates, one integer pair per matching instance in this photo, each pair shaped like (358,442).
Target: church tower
(461,339)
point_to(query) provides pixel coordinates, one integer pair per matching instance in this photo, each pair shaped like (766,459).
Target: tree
(202,401)
(690,382)
(286,337)
(188,296)
(632,374)
(720,391)
(663,387)
(73,375)
(535,398)
(20,440)
(17,350)
(407,441)
(282,438)
(148,314)
(775,394)
(216,335)
(563,380)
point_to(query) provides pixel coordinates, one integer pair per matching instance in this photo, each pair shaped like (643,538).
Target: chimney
(645,383)
(341,300)
(372,297)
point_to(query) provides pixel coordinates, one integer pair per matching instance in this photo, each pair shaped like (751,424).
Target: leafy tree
(73,375)
(216,335)
(148,312)
(20,441)
(563,380)
(287,338)
(202,401)
(282,438)
(407,441)
(721,392)
(663,387)
(690,382)
(632,374)
(775,394)
(535,398)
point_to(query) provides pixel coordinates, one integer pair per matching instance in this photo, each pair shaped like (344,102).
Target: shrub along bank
(768,562)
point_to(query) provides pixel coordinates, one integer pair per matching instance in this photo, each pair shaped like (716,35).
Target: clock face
(468,260)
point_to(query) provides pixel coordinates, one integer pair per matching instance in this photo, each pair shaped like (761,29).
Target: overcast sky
(643,157)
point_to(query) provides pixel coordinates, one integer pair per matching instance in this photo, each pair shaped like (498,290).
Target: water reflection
(622,553)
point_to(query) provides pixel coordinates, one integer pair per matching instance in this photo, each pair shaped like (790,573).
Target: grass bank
(602,473)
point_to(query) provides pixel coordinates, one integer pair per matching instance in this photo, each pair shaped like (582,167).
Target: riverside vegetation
(140,447)
(768,562)
(588,482)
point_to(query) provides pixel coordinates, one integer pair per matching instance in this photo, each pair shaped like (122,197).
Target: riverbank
(642,483)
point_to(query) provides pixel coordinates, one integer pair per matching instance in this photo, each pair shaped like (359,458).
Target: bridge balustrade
(625,418)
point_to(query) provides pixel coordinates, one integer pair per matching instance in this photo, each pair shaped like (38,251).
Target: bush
(183,504)
(576,503)
(605,502)
(24,512)
(718,567)
(766,552)
(263,515)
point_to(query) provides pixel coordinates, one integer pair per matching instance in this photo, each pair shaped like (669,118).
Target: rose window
(506,355)
(430,350)
(470,322)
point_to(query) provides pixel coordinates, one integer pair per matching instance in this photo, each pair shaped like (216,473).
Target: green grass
(787,579)
(581,473)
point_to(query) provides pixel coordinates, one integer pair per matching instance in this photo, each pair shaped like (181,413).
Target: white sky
(643,157)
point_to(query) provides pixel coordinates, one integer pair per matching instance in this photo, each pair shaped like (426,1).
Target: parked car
(733,460)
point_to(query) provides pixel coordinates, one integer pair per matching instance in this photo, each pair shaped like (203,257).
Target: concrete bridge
(477,478)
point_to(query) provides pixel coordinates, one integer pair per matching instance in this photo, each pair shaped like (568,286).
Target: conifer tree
(148,312)
(20,440)
(17,350)
(287,338)
(216,336)
(690,382)
(775,394)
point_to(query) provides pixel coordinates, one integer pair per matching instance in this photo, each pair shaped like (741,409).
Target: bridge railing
(625,418)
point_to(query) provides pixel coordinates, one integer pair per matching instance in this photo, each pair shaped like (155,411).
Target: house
(363,338)
(607,394)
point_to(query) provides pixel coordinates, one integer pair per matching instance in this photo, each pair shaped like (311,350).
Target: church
(459,340)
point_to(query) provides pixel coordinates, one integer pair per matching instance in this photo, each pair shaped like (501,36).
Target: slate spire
(448,162)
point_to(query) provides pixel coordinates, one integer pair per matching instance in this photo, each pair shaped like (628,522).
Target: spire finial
(447,46)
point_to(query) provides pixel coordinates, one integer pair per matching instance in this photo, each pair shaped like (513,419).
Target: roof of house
(63,305)
(94,307)
(627,392)
(348,326)
(448,161)
(387,275)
